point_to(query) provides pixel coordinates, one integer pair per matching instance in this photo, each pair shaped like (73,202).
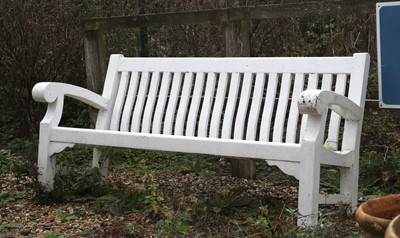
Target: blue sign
(388,35)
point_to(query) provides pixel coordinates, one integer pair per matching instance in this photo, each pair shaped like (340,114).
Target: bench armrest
(50,91)
(316,102)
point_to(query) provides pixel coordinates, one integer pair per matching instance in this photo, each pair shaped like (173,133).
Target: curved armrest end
(41,93)
(316,102)
(50,91)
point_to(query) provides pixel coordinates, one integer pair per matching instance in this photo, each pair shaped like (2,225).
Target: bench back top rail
(251,99)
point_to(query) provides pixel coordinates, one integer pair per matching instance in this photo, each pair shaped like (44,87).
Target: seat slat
(130,101)
(172,104)
(218,105)
(195,104)
(141,100)
(161,102)
(230,108)
(119,102)
(207,104)
(293,118)
(183,104)
(268,107)
(252,124)
(280,117)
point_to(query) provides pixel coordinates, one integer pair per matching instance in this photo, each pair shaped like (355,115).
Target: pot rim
(366,220)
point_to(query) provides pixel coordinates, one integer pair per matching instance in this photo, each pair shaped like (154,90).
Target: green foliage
(134,229)
(225,204)
(196,168)
(9,196)
(74,184)
(129,201)
(121,202)
(4,226)
(65,216)
(10,162)
(148,203)
(330,181)
(175,226)
(53,234)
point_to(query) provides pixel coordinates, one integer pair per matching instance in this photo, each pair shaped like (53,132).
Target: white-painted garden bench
(272,109)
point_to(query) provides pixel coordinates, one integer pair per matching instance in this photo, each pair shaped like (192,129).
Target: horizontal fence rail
(305,9)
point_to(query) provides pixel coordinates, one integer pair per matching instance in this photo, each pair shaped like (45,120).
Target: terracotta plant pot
(375,215)
(393,229)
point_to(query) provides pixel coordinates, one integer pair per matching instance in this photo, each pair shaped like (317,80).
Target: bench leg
(101,161)
(349,185)
(46,163)
(308,197)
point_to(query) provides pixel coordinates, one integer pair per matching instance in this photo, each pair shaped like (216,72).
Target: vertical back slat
(150,102)
(327,82)
(255,107)
(230,106)
(280,117)
(194,105)
(183,104)
(172,104)
(140,102)
(161,102)
(241,115)
(218,105)
(293,118)
(119,101)
(334,122)
(130,101)
(268,107)
(207,104)
(312,83)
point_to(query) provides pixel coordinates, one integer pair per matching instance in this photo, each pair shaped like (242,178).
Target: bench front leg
(46,163)
(310,171)
(46,159)
(308,197)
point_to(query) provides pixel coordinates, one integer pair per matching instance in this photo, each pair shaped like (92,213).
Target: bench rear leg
(349,185)
(101,161)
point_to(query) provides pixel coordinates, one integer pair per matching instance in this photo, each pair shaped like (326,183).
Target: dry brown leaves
(32,220)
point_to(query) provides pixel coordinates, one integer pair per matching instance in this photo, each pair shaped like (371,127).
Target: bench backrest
(233,98)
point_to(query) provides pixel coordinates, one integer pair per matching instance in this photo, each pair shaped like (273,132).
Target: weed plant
(13,163)
(75,185)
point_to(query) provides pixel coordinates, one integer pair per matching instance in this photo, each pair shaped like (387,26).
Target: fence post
(237,44)
(143,32)
(237,38)
(95,64)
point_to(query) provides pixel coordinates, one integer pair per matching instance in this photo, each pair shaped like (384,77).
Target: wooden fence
(236,22)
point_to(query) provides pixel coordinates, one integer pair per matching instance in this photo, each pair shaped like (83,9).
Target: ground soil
(25,218)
